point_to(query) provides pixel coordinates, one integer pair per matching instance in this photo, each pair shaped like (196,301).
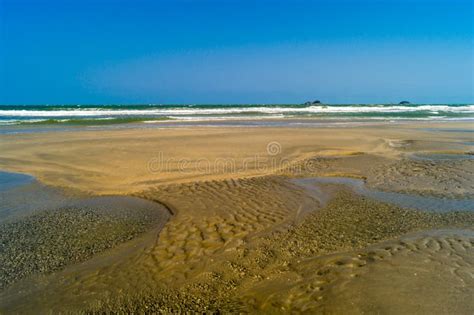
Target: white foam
(98,112)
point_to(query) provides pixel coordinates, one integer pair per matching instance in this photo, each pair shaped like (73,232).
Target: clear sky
(229,51)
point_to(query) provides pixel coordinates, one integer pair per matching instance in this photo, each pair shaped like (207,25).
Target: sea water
(105,115)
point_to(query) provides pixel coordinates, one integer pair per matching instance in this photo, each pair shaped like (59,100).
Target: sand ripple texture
(310,267)
(224,215)
(240,251)
(210,218)
(430,272)
(446,178)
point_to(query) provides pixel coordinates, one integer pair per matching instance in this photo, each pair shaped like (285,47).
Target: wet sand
(126,161)
(252,239)
(216,265)
(48,240)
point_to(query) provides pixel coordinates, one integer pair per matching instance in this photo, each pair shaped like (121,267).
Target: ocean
(33,115)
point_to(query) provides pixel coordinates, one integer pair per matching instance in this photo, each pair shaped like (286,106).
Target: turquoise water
(32,115)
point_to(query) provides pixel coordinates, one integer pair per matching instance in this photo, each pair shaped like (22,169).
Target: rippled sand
(292,254)
(248,243)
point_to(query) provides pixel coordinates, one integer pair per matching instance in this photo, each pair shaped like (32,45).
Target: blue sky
(229,51)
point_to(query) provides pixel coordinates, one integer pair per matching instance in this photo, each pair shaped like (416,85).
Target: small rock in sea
(312,103)
(404,103)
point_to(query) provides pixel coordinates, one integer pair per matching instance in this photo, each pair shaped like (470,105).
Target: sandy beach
(237,157)
(246,223)
(125,161)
